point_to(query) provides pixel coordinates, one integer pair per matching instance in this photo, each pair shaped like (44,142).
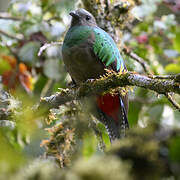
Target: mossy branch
(112,81)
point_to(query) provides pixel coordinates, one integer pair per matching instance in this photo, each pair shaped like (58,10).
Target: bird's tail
(112,110)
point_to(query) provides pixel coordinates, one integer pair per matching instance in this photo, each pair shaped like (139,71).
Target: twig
(10,36)
(45,46)
(47,88)
(174,77)
(112,81)
(163,77)
(138,59)
(10,18)
(173,102)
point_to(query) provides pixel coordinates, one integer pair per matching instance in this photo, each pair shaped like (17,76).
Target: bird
(87,52)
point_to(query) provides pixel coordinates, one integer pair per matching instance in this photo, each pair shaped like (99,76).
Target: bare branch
(10,36)
(174,77)
(173,102)
(10,18)
(45,46)
(112,81)
(138,59)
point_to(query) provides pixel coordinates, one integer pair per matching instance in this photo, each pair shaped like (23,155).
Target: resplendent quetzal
(87,51)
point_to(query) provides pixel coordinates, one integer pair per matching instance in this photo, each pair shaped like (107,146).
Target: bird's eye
(88,18)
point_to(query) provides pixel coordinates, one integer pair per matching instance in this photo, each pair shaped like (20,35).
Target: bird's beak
(74,15)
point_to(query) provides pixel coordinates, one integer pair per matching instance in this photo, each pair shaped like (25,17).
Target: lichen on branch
(111,81)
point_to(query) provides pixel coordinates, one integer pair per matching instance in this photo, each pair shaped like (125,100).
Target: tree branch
(45,46)
(10,36)
(138,59)
(10,18)
(112,81)
(172,101)
(172,77)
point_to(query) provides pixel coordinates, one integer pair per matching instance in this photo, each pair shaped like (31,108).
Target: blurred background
(153,33)
(4,5)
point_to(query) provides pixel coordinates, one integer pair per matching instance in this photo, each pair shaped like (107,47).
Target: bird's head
(82,17)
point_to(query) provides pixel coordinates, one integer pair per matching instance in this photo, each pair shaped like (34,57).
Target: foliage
(69,136)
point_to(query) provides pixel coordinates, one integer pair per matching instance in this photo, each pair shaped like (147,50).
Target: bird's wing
(106,50)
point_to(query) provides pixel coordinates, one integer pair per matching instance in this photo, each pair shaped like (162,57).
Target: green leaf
(174,149)
(10,159)
(105,136)
(176,42)
(173,68)
(133,114)
(156,41)
(28,53)
(141,50)
(89,145)
(155,113)
(51,69)
(41,82)
(4,66)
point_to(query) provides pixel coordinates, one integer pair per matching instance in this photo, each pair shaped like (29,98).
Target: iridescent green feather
(104,46)
(106,49)
(76,35)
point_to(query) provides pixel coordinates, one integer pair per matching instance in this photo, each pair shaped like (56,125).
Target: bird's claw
(90,80)
(71,84)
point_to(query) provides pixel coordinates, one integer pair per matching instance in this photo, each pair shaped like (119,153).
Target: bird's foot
(71,84)
(90,80)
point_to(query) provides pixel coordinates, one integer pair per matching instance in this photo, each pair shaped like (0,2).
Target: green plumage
(103,46)
(76,35)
